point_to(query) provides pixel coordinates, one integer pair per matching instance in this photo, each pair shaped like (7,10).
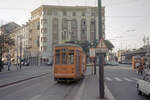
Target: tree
(109,45)
(84,44)
(5,43)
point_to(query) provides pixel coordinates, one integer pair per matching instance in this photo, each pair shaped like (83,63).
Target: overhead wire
(122,3)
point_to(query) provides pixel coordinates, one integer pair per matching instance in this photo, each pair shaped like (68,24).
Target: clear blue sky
(127,21)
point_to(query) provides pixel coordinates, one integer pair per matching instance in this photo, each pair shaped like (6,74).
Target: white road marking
(108,79)
(127,79)
(136,79)
(35,97)
(116,78)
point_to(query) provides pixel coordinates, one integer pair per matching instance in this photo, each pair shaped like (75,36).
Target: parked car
(143,85)
(49,63)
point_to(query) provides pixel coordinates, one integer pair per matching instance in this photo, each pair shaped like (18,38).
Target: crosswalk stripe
(132,79)
(108,79)
(127,79)
(136,79)
(116,78)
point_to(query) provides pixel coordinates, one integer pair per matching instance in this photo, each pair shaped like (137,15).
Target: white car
(143,86)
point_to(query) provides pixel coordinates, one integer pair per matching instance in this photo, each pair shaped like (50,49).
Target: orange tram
(69,62)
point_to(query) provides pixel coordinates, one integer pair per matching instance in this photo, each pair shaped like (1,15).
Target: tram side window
(71,57)
(57,57)
(64,56)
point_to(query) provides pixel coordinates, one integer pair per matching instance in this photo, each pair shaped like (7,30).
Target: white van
(143,85)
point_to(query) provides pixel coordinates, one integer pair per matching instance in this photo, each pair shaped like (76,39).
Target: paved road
(121,81)
(42,88)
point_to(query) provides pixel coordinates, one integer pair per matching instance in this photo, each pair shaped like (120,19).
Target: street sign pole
(101,75)
(101,57)
(94,60)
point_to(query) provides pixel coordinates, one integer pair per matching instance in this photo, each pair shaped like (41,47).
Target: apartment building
(23,44)
(56,24)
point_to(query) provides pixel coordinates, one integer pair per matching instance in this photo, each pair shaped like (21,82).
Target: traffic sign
(92,52)
(101,47)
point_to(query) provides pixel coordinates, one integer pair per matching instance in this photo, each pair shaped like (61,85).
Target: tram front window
(71,57)
(57,57)
(64,56)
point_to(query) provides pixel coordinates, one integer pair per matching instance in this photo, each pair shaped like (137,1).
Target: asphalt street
(121,80)
(42,88)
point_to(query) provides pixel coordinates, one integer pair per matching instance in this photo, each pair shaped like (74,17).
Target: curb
(108,94)
(19,81)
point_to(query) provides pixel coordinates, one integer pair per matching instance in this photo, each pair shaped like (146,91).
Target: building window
(55,30)
(83,13)
(73,13)
(64,29)
(44,48)
(38,25)
(64,13)
(55,12)
(64,24)
(43,21)
(43,39)
(74,31)
(92,30)
(44,30)
(83,29)
(44,11)
(92,13)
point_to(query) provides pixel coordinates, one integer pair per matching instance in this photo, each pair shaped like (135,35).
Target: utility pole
(17,51)
(148,45)
(20,51)
(94,41)
(101,56)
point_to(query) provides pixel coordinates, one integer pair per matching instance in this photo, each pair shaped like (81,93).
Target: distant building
(51,25)
(23,44)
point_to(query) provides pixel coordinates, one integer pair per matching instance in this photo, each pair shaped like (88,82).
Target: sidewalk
(27,72)
(13,68)
(89,89)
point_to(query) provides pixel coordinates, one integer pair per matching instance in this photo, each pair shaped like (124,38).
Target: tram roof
(67,44)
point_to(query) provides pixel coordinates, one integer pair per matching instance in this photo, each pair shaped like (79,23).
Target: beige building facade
(56,24)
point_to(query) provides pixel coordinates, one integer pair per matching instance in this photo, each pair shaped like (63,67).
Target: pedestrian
(1,64)
(8,62)
(140,69)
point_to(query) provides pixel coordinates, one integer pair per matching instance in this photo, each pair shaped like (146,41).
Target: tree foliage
(86,45)
(109,45)
(5,43)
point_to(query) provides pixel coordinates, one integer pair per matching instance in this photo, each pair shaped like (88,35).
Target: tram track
(71,91)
